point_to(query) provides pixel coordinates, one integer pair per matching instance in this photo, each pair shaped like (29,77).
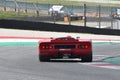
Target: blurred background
(69,12)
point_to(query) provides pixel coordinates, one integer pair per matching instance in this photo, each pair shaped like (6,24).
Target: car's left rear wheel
(44,58)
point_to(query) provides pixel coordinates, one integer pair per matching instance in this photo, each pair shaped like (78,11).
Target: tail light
(84,46)
(46,46)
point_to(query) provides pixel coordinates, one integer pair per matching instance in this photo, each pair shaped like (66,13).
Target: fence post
(4,8)
(37,10)
(5,5)
(17,6)
(37,13)
(99,11)
(84,9)
(111,18)
(69,19)
(26,7)
(25,10)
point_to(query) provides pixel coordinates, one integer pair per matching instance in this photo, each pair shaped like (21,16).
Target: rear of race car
(65,49)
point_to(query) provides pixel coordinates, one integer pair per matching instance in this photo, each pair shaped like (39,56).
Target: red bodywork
(65,46)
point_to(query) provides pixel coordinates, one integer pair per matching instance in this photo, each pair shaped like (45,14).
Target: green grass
(11,15)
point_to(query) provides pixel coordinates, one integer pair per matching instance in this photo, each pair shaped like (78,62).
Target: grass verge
(11,15)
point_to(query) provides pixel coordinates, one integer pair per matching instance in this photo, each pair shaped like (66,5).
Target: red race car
(65,47)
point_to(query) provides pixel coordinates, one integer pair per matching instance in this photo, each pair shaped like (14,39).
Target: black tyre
(87,58)
(44,58)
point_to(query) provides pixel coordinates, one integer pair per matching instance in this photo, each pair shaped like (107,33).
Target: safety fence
(84,15)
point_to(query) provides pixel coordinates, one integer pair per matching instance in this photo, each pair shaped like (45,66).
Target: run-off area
(104,53)
(22,63)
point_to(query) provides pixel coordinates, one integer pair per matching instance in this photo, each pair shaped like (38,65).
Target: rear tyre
(44,58)
(87,58)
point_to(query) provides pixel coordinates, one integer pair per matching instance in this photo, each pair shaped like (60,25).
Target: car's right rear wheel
(44,58)
(87,58)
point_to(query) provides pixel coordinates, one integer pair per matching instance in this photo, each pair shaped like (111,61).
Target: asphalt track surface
(21,63)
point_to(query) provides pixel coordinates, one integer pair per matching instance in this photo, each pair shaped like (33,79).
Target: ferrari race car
(65,47)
